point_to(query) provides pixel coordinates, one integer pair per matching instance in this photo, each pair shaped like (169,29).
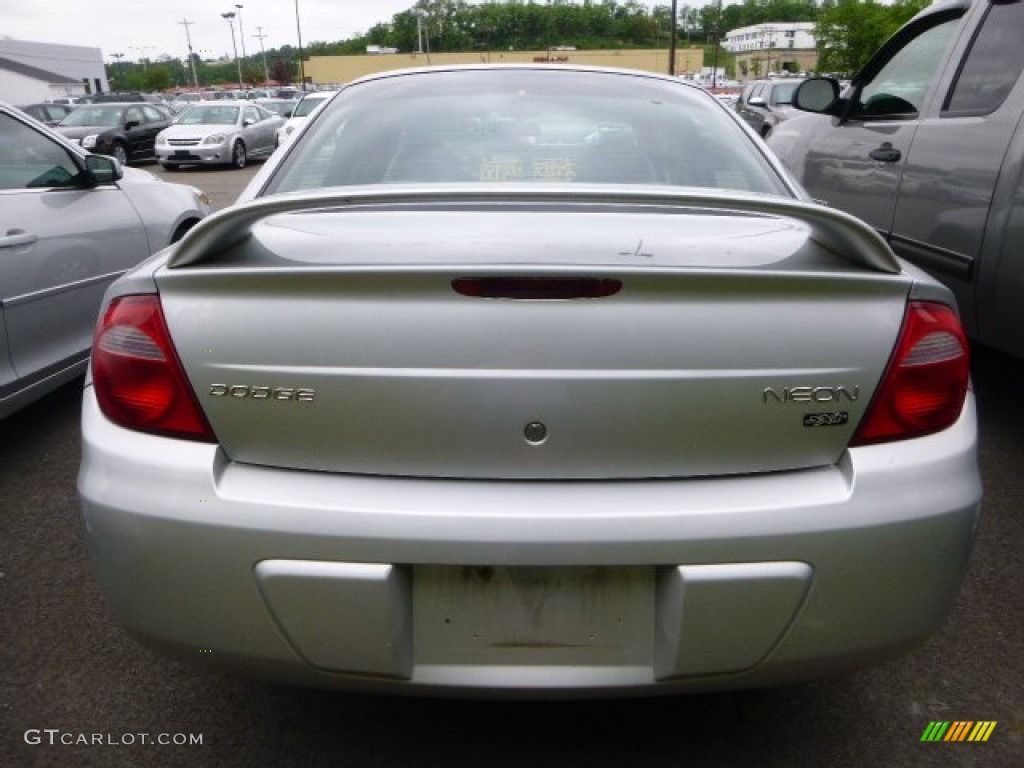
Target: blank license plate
(591,616)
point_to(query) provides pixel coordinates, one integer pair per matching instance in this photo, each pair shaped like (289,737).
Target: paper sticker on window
(501,168)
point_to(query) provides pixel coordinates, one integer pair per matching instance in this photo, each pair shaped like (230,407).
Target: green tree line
(847,32)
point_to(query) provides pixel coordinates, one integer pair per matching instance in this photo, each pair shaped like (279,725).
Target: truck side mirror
(817,94)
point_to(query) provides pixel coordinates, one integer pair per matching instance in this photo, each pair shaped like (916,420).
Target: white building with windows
(32,71)
(772,48)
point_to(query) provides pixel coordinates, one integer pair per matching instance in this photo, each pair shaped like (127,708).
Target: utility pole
(191,57)
(266,71)
(714,58)
(298,29)
(672,40)
(419,29)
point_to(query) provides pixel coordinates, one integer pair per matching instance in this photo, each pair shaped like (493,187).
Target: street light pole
(241,29)
(142,57)
(117,57)
(191,57)
(230,18)
(298,29)
(266,71)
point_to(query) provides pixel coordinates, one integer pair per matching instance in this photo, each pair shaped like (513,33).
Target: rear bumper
(580,587)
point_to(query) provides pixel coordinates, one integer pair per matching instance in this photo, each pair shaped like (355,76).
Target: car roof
(106,104)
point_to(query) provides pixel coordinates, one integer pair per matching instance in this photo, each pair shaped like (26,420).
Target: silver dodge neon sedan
(527,381)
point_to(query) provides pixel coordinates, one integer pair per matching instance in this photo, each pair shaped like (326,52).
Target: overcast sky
(150,28)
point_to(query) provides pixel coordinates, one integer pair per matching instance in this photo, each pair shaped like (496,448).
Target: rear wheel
(238,155)
(120,153)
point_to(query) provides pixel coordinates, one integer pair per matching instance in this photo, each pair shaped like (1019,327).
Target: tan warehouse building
(335,70)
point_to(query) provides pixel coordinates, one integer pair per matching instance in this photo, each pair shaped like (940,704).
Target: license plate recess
(533,616)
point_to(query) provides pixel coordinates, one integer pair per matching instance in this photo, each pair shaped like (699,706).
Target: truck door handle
(886,154)
(16,237)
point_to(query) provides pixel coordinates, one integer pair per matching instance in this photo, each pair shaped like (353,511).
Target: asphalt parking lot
(68,674)
(221,184)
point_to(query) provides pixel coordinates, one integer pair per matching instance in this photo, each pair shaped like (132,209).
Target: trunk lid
(336,340)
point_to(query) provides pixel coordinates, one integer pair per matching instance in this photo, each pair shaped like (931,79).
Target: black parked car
(125,131)
(47,113)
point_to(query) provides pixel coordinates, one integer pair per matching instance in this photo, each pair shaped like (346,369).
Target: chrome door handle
(17,237)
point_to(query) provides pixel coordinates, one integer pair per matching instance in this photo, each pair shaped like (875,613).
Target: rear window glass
(994,63)
(525,126)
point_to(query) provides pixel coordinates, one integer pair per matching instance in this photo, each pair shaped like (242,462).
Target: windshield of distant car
(307,105)
(209,115)
(783,93)
(98,116)
(278,107)
(525,125)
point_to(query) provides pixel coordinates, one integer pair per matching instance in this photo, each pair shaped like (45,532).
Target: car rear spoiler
(833,230)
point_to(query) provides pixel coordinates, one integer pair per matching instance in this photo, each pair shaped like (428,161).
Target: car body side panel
(259,137)
(61,248)
(941,217)
(1000,273)
(52,287)
(7,374)
(163,208)
(941,213)
(839,170)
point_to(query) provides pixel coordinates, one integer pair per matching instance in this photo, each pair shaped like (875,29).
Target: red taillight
(138,379)
(924,387)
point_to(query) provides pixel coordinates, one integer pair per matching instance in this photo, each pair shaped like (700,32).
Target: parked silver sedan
(764,104)
(218,133)
(521,380)
(70,223)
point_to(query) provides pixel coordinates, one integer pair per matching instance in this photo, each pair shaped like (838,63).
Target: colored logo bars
(958,730)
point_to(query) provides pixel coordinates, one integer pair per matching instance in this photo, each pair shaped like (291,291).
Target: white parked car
(218,133)
(307,105)
(70,223)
